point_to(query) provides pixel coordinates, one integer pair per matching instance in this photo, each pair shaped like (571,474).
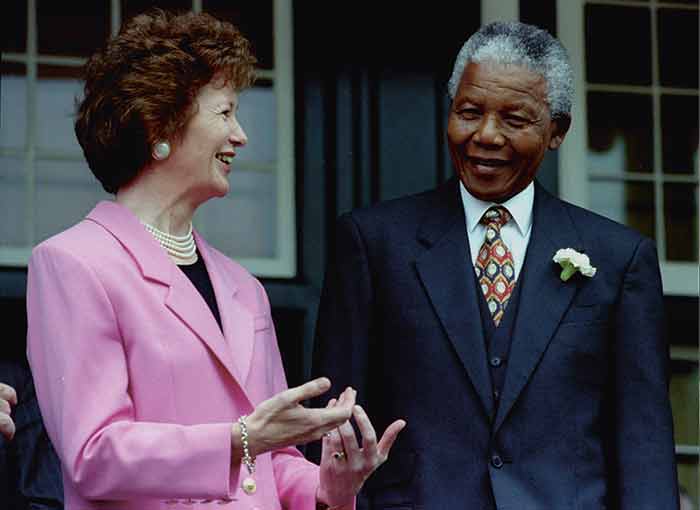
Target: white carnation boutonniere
(572,261)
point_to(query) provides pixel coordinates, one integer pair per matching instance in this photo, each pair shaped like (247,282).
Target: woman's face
(202,158)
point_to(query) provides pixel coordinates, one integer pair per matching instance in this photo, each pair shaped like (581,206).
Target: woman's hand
(282,421)
(344,464)
(7,397)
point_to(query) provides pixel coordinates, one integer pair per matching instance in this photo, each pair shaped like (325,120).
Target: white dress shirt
(515,233)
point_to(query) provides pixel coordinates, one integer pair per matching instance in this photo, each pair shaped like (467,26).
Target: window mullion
(658,156)
(31,135)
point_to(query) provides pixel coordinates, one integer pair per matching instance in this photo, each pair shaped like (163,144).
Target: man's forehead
(513,80)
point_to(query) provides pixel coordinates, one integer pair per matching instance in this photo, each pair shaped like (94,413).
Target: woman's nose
(238,136)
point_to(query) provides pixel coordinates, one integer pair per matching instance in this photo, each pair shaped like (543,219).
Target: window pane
(55,110)
(65,192)
(13,201)
(227,222)
(678,57)
(257,113)
(613,57)
(681,221)
(679,128)
(73,29)
(620,132)
(684,401)
(631,203)
(13,107)
(14,26)
(254,19)
(131,8)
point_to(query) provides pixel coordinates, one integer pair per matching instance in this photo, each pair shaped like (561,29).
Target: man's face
(499,129)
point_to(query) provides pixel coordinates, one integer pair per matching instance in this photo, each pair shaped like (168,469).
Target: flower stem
(567,271)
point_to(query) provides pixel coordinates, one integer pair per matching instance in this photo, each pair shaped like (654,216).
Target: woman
(155,359)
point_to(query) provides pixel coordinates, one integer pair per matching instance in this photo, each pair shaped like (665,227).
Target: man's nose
(488,132)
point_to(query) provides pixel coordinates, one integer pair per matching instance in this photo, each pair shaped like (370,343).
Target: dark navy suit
(30,472)
(581,419)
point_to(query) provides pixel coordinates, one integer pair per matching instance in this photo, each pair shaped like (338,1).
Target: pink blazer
(136,382)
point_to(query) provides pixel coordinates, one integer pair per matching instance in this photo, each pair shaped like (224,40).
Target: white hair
(524,45)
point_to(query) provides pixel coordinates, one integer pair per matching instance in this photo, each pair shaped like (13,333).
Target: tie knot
(496,217)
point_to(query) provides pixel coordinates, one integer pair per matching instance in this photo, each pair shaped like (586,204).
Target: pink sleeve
(79,365)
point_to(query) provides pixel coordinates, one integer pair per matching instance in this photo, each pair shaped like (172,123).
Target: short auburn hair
(141,86)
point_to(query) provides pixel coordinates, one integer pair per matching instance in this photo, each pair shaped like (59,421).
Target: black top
(198,275)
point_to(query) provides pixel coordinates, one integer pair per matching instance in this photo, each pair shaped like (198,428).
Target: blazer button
(496,461)
(496,361)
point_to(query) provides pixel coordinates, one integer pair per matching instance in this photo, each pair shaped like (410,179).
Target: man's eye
(516,121)
(226,113)
(469,113)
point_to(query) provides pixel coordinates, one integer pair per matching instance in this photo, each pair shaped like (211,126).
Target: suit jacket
(137,384)
(30,473)
(583,420)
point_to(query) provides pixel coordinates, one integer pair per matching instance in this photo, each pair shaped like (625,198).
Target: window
(45,184)
(632,155)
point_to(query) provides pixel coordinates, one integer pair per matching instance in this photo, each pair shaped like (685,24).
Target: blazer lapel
(445,271)
(182,297)
(544,298)
(237,321)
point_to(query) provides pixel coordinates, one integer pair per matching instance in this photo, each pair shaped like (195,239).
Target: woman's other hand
(345,465)
(7,396)
(282,421)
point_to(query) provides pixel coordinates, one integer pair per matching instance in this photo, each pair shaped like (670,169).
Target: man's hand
(8,397)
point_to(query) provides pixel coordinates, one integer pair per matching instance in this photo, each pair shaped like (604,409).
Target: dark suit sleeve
(343,329)
(33,466)
(645,468)
(344,321)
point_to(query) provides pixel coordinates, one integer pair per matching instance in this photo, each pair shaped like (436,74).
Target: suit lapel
(182,297)
(236,320)
(445,271)
(544,298)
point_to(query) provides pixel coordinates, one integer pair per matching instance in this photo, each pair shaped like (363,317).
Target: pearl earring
(161,150)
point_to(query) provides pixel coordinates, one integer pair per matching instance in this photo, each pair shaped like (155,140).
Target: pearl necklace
(179,247)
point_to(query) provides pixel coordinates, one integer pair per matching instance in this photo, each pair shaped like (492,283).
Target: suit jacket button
(496,461)
(496,361)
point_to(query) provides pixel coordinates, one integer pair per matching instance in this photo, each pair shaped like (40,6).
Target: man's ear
(560,127)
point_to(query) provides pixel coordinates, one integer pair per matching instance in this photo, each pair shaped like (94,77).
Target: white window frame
(283,264)
(679,278)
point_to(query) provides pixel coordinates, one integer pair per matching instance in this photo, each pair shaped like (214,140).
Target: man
(30,472)
(521,391)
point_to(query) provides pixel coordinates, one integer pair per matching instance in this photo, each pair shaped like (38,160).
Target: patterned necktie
(494,264)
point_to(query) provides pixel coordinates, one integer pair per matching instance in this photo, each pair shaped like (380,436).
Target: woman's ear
(560,126)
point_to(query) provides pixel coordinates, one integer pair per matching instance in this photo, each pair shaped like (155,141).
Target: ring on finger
(339,455)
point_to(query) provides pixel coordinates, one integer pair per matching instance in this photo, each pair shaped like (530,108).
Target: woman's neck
(158,205)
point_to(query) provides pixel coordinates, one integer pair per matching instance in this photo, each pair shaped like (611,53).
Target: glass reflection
(681,221)
(620,132)
(628,202)
(73,29)
(13,107)
(13,202)
(615,56)
(679,134)
(678,47)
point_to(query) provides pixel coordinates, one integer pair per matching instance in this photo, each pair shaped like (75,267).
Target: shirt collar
(519,207)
